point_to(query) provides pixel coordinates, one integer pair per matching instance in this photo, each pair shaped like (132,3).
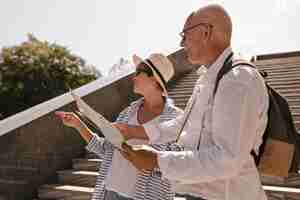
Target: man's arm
(154,132)
(165,131)
(95,144)
(233,132)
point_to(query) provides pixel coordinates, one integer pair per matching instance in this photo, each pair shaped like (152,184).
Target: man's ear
(207,32)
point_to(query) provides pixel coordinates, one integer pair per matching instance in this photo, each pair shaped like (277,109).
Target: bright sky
(102,31)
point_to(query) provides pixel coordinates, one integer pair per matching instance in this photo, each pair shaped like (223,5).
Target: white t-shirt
(122,174)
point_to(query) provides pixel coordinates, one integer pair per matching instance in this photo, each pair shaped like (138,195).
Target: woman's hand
(142,158)
(69,119)
(131,131)
(123,128)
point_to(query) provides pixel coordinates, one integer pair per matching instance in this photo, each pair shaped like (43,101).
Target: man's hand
(142,159)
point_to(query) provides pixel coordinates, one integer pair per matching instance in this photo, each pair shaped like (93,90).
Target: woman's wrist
(81,127)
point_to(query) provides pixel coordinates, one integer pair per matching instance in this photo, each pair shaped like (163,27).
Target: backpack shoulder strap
(244,62)
(229,64)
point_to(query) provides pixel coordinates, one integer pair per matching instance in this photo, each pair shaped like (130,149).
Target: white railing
(35,112)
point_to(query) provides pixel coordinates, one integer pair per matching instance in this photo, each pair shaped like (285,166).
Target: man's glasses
(145,70)
(182,33)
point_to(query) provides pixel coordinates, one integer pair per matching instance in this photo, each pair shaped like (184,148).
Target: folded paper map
(110,133)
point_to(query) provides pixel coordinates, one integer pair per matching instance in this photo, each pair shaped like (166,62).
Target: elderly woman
(118,179)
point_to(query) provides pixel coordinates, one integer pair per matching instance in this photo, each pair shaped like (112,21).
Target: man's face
(193,39)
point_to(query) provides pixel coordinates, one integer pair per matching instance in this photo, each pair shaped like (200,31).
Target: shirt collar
(136,104)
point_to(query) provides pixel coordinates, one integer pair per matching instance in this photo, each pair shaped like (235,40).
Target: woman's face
(143,81)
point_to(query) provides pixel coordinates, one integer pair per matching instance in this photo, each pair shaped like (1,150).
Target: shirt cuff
(91,146)
(152,131)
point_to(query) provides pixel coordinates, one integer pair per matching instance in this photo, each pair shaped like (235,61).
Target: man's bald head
(220,20)
(207,32)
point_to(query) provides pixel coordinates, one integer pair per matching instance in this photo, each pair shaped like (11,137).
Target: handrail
(15,121)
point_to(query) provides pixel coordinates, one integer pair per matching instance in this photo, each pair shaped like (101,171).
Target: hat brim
(160,82)
(137,60)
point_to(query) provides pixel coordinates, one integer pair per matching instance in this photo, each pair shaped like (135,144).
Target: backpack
(280,130)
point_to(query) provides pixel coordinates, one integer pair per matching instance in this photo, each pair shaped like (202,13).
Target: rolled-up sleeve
(234,124)
(165,131)
(96,145)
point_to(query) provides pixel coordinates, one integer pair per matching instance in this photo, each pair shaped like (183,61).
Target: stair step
(179,198)
(284,91)
(291,96)
(181,96)
(179,89)
(274,85)
(284,86)
(271,72)
(86,164)
(91,155)
(65,192)
(180,105)
(284,79)
(191,77)
(286,191)
(283,75)
(272,181)
(285,82)
(68,192)
(274,64)
(293,102)
(295,107)
(293,181)
(185,92)
(288,91)
(185,86)
(280,67)
(77,178)
(296,116)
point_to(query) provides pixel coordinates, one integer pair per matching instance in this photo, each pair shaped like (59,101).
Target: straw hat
(161,67)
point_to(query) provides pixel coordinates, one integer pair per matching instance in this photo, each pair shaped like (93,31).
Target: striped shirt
(149,184)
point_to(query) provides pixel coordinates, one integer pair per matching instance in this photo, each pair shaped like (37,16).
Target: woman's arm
(95,144)
(71,120)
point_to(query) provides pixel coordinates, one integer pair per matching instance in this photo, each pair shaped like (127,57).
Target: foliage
(35,71)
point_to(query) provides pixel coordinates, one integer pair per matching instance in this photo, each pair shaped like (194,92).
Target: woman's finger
(125,155)
(127,148)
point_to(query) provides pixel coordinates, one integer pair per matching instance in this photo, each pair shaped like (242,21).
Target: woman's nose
(182,42)
(133,77)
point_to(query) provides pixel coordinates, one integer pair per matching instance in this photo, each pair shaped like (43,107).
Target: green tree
(35,71)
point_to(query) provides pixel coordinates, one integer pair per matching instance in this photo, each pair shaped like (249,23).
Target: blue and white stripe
(150,185)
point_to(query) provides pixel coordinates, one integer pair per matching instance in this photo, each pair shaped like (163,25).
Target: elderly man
(221,129)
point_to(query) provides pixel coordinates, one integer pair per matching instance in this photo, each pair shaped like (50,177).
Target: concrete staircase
(77,183)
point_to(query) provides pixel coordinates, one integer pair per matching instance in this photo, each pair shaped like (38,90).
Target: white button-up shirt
(226,128)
